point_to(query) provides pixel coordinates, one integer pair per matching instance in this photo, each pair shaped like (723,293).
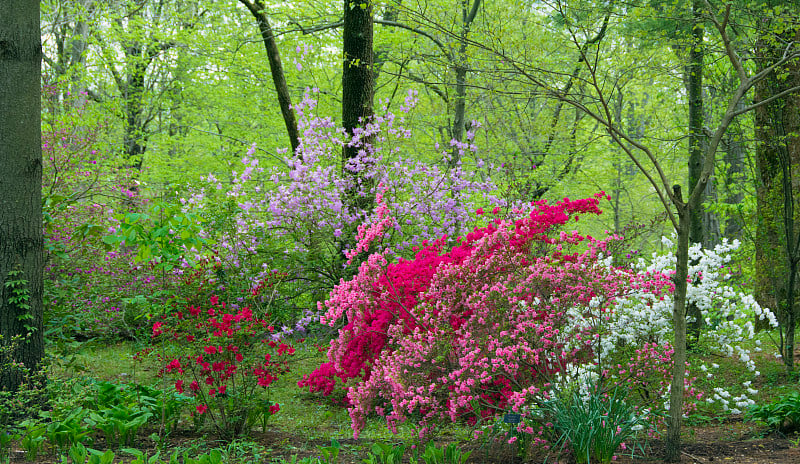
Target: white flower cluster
(728,314)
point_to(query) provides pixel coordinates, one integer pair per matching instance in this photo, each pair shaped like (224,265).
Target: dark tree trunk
(358,87)
(21,239)
(777,164)
(257,9)
(694,84)
(134,139)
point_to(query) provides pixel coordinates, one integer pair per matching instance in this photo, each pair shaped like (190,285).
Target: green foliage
(330,454)
(100,457)
(593,424)
(68,431)
(449,454)
(33,438)
(384,453)
(120,410)
(306,460)
(162,236)
(141,457)
(782,414)
(19,296)
(78,453)
(212,457)
(18,407)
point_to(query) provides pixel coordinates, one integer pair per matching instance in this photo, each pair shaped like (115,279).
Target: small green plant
(32,439)
(384,453)
(141,457)
(594,427)
(6,437)
(100,457)
(212,457)
(19,295)
(782,414)
(330,454)
(120,410)
(78,453)
(293,460)
(450,454)
(68,431)
(17,406)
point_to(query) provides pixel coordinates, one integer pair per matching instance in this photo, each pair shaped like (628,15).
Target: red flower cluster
(222,357)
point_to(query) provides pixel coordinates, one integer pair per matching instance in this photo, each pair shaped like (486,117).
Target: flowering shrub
(499,322)
(226,358)
(82,190)
(470,332)
(294,216)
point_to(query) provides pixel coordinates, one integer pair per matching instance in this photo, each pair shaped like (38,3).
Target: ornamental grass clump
(594,425)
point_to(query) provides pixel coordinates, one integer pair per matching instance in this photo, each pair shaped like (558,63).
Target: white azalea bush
(643,318)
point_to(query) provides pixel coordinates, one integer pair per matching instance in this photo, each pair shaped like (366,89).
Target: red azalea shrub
(225,357)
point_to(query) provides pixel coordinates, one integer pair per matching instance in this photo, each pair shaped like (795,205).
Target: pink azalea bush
(484,327)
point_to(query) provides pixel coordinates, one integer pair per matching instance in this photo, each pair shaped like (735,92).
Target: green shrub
(782,414)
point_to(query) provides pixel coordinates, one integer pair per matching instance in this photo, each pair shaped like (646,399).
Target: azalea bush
(513,315)
(293,215)
(226,360)
(469,332)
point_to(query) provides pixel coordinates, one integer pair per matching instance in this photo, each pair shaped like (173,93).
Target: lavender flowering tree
(294,216)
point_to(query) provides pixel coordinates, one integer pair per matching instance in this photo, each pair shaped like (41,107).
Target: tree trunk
(694,84)
(134,140)
(673,441)
(21,239)
(257,9)
(777,163)
(357,92)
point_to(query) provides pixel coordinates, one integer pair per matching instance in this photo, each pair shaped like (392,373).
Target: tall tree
(358,88)
(468,14)
(777,129)
(21,238)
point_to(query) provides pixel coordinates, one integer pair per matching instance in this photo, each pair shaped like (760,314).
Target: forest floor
(731,442)
(307,423)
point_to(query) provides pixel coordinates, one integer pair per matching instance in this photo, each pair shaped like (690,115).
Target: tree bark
(777,125)
(21,239)
(461,67)
(673,440)
(694,81)
(358,88)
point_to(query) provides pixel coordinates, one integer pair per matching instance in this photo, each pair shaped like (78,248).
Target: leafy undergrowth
(308,425)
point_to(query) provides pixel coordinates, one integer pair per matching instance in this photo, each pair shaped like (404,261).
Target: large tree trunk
(358,88)
(694,85)
(21,239)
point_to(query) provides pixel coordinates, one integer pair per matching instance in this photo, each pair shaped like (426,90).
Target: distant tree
(258,9)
